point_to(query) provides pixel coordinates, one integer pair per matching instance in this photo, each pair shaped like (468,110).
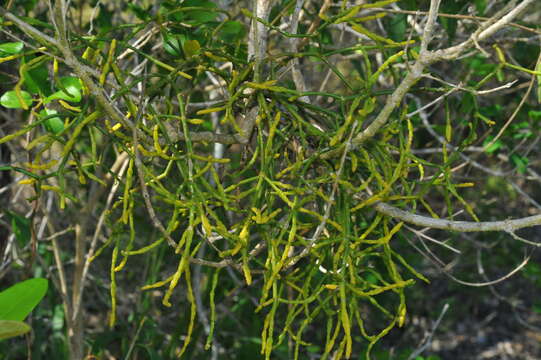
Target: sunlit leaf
(17,301)
(71,92)
(11,48)
(12,101)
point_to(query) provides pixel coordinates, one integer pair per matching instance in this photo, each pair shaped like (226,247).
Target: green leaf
(200,16)
(172,43)
(535,115)
(11,328)
(36,79)
(70,90)
(520,162)
(232,31)
(452,7)
(21,228)
(396,26)
(27,4)
(480,6)
(20,299)
(11,101)
(11,48)
(191,48)
(36,22)
(72,86)
(57,323)
(497,144)
(54,124)
(141,13)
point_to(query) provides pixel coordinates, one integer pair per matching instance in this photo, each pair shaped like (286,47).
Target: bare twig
(453,16)
(428,339)
(144,189)
(462,226)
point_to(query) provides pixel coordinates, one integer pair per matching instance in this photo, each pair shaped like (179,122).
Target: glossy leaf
(20,299)
(172,43)
(12,328)
(11,48)
(71,92)
(12,101)
(54,125)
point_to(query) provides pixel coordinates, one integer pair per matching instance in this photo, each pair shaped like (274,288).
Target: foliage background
(270,193)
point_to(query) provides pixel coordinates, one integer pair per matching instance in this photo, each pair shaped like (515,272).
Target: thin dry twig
(144,189)
(428,338)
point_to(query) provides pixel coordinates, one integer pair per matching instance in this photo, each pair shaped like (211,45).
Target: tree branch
(462,226)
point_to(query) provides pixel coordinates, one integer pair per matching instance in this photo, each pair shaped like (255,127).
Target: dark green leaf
(36,22)
(36,79)
(104,20)
(450,27)
(172,43)
(21,228)
(11,101)
(414,5)
(451,7)
(232,31)
(20,299)
(141,13)
(200,16)
(28,4)
(396,27)
(480,6)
